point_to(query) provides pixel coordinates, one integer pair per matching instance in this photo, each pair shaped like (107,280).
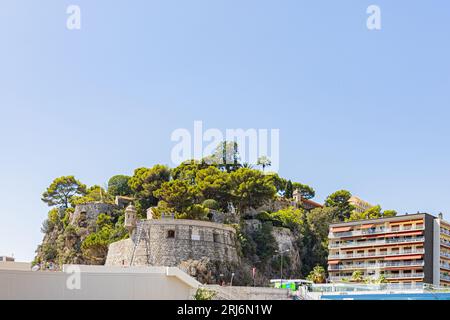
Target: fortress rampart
(168,242)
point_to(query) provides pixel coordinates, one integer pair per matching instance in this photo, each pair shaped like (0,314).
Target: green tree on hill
(118,186)
(340,201)
(62,190)
(178,194)
(289,193)
(145,182)
(226,157)
(251,188)
(372,213)
(214,184)
(306,191)
(188,170)
(93,194)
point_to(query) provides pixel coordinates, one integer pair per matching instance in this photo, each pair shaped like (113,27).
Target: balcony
(445,243)
(387,276)
(405,263)
(404,275)
(373,243)
(445,277)
(367,255)
(445,231)
(376,265)
(365,232)
(445,266)
(356,266)
(445,255)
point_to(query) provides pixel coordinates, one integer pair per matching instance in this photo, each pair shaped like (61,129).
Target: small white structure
(9,263)
(78,282)
(150,213)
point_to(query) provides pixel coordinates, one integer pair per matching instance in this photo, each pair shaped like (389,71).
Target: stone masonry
(168,242)
(90,211)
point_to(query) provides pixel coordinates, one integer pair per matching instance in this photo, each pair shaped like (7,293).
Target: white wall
(436,252)
(99,283)
(9,265)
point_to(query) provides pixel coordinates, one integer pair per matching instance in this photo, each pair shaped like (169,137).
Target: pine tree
(289,194)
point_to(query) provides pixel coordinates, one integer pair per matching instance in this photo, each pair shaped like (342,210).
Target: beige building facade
(359,204)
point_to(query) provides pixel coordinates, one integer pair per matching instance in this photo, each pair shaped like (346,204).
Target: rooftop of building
(6,258)
(312,203)
(384,219)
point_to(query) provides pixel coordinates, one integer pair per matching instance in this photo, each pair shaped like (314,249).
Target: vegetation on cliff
(196,190)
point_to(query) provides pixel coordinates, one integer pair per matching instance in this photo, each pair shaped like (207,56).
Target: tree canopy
(202,190)
(340,201)
(225,157)
(146,181)
(251,188)
(306,191)
(372,213)
(62,190)
(118,185)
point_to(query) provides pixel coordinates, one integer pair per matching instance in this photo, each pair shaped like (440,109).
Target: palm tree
(381,279)
(317,275)
(357,276)
(247,165)
(264,162)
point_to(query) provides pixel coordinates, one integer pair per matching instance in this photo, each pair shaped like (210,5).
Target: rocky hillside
(83,221)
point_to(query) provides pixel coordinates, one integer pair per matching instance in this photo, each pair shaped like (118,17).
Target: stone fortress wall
(90,211)
(168,242)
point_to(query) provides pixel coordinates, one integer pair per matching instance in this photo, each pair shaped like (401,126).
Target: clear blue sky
(363,110)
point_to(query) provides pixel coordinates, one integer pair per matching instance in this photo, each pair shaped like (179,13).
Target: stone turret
(297,195)
(150,213)
(130,218)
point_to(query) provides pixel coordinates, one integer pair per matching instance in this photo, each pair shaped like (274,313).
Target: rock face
(252,225)
(169,242)
(284,238)
(90,211)
(286,241)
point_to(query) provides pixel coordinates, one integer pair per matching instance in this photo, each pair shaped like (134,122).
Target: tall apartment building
(359,204)
(405,249)
(442,252)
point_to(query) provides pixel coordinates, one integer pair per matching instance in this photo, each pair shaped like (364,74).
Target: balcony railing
(404,275)
(376,265)
(364,255)
(445,242)
(445,254)
(445,277)
(445,266)
(387,276)
(445,231)
(356,266)
(376,242)
(372,231)
(404,264)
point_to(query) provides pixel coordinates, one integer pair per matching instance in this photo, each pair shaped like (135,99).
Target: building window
(216,237)
(195,236)
(171,234)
